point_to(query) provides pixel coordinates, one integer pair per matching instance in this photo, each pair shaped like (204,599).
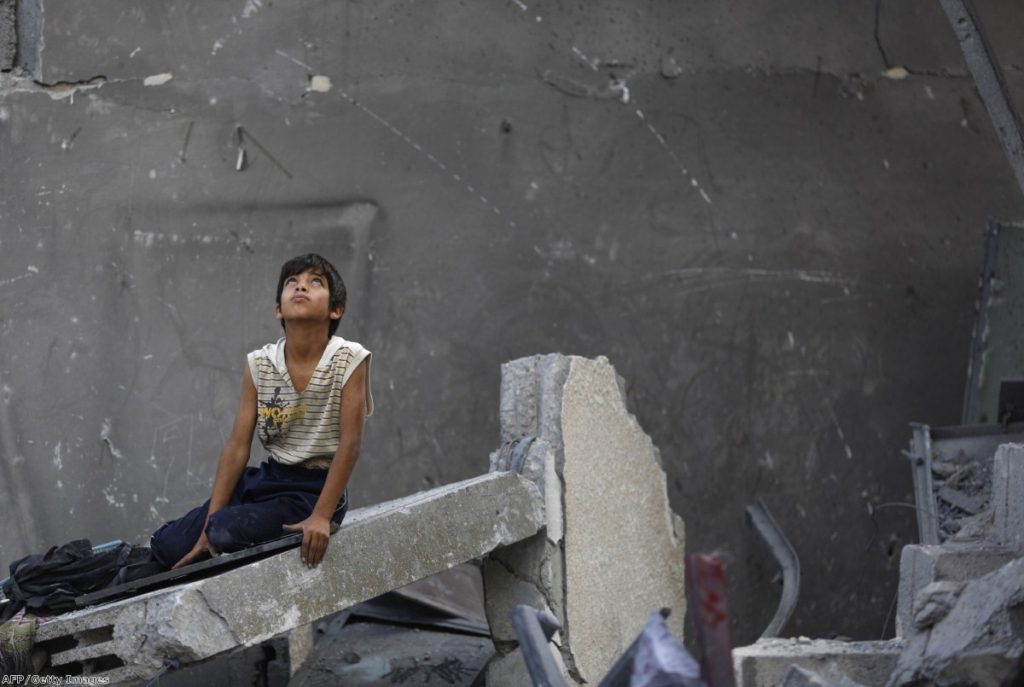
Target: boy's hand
(202,546)
(316,534)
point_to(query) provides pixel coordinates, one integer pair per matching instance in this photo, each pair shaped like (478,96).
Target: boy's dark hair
(335,286)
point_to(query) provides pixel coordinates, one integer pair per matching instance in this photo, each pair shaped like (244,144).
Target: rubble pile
(960,609)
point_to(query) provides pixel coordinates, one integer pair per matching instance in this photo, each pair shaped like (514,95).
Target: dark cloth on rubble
(47,584)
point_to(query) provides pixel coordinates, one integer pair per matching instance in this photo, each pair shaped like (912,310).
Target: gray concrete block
(768,662)
(1008,495)
(504,592)
(621,553)
(922,565)
(531,398)
(379,548)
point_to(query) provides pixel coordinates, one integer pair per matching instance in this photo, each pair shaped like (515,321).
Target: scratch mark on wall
(30,271)
(184,146)
(70,140)
(618,89)
(305,66)
(57,91)
(168,439)
(244,134)
(592,63)
(105,430)
(692,274)
(835,420)
(422,151)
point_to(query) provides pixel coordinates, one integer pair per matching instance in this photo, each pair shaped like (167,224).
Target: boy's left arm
(316,529)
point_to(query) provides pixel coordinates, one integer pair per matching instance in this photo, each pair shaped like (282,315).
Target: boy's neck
(305,342)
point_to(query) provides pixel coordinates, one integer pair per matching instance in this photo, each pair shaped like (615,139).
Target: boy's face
(306,296)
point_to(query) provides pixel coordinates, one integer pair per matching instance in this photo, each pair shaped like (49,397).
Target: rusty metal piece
(705,586)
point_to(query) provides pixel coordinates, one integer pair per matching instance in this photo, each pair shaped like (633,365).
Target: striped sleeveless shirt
(294,427)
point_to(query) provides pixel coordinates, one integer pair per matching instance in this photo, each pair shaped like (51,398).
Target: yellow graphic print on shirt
(275,413)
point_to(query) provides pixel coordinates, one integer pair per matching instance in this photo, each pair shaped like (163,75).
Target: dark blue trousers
(265,499)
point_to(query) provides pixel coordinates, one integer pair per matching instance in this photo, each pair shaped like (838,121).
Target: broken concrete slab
(920,566)
(1008,495)
(378,549)
(980,641)
(609,461)
(934,602)
(593,459)
(767,662)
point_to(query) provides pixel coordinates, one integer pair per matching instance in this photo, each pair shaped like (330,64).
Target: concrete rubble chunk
(767,662)
(920,566)
(980,641)
(379,548)
(1008,495)
(593,459)
(622,556)
(935,602)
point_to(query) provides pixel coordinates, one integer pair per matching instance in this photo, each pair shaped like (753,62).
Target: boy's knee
(222,533)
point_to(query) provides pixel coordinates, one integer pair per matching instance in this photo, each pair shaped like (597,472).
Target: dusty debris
(979,641)
(935,601)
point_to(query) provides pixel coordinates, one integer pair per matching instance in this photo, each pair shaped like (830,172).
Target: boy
(306,397)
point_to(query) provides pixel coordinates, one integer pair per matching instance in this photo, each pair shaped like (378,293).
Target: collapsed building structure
(549,521)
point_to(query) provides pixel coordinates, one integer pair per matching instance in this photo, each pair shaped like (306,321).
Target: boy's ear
(336,313)
(277,312)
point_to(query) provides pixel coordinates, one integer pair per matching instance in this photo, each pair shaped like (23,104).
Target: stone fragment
(980,641)
(934,602)
(1008,495)
(969,503)
(922,565)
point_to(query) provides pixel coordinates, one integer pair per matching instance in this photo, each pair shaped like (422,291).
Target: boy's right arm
(233,460)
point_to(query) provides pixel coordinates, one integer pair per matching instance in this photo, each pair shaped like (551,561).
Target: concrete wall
(775,244)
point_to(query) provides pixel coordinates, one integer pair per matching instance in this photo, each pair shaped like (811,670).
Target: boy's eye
(318,281)
(290,280)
